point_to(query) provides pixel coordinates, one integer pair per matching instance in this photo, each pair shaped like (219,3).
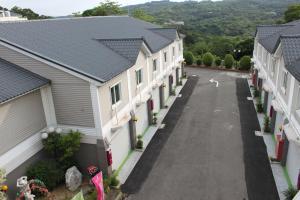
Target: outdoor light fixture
(58,130)
(44,135)
(51,129)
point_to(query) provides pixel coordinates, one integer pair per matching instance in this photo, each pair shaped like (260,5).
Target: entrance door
(285,149)
(170,84)
(150,107)
(266,98)
(273,120)
(161,97)
(177,76)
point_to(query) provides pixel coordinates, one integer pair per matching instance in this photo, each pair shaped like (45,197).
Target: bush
(140,143)
(228,61)
(63,147)
(218,61)
(267,124)
(189,58)
(208,59)
(114,181)
(49,172)
(199,61)
(245,63)
(290,193)
(256,92)
(259,106)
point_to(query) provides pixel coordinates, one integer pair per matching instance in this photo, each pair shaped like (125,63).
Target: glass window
(173,51)
(154,65)
(139,77)
(165,56)
(285,80)
(179,47)
(115,92)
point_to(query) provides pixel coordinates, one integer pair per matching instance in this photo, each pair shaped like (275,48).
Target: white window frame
(173,52)
(156,65)
(273,67)
(285,78)
(115,104)
(165,57)
(139,82)
(179,47)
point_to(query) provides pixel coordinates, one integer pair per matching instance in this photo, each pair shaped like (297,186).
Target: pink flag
(98,182)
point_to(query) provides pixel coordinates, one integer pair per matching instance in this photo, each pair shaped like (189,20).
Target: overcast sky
(61,7)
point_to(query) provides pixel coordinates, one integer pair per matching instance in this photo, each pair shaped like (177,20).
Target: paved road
(208,150)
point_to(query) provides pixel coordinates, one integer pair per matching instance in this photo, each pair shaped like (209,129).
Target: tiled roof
(16,81)
(72,42)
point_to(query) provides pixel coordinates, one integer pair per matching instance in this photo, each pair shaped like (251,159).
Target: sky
(61,7)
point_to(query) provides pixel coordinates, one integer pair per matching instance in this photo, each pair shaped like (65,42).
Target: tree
(292,13)
(245,63)
(246,48)
(228,61)
(208,59)
(189,58)
(142,15)
(199,61)
(28,13)
(218,61)
(104,9)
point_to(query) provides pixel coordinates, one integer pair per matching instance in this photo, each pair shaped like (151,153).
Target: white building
(276,74)
(6,16)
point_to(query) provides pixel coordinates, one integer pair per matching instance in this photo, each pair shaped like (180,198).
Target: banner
(98,182)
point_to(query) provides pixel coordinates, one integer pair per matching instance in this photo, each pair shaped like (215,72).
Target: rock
(73,178)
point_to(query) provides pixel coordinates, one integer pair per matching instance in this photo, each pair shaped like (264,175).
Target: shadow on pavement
(259,178)
(146,162)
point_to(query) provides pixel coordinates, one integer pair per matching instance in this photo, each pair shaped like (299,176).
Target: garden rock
(73,178)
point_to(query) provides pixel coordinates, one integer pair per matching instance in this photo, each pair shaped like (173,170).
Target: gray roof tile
(15,81)
(73,43)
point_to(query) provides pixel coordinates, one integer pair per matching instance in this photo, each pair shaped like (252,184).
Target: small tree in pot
(139,143)
(267,124)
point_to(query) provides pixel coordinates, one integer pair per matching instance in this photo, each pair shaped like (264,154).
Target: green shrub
(256,92)
(139,143)
(259,106)
(245,63)
(199,61)
(48,171)
(114,181)
(290,193)
(208,59)
(228,61)
(189,58)
(267,124)
(218,61)
(63,147)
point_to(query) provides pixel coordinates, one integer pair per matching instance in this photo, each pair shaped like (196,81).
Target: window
(115,92)
(285,80)
(139,76)
(166,56)
(173,52)
(273,66)
(179,47)
(154,65)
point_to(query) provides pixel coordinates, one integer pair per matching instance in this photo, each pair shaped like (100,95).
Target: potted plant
(290,193)
(154,118)
(139,143)
(267,124)
(259,106)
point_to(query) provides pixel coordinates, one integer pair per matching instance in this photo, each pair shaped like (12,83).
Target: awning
(267,87)
(291,134)
(276,106)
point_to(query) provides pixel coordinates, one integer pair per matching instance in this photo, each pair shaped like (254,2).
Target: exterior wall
(152,75)
(20,119)
(71,95)
(293,162)
(105,97)
(141,63)
(284,93)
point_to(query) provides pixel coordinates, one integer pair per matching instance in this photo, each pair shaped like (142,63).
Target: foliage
(199,61)
(114,181)
(259,106)
(245,63)
(2,180)
(49,172)
(188,57)
(142,15)
(256,92)
(139,143)
(267,124)
(208,59)
(292,13)
(290,193)
(28,13)
(63,147)
(228,61)
(218,61)
(104,9)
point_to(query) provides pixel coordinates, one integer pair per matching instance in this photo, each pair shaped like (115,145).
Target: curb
(218,68)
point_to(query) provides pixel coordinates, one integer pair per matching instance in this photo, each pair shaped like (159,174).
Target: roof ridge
(290,36)
(120,39)
(62,19)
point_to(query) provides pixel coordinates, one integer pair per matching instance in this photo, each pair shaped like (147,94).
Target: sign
(98,182)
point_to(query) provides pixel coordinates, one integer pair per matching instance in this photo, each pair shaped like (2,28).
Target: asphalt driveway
(207,149)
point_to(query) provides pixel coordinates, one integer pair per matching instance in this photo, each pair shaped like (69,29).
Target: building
(276,75)
(6,15)
(103,76)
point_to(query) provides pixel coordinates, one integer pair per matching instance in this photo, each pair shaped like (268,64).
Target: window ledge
(116,105)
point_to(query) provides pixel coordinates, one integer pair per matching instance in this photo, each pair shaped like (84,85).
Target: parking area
(207,149)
